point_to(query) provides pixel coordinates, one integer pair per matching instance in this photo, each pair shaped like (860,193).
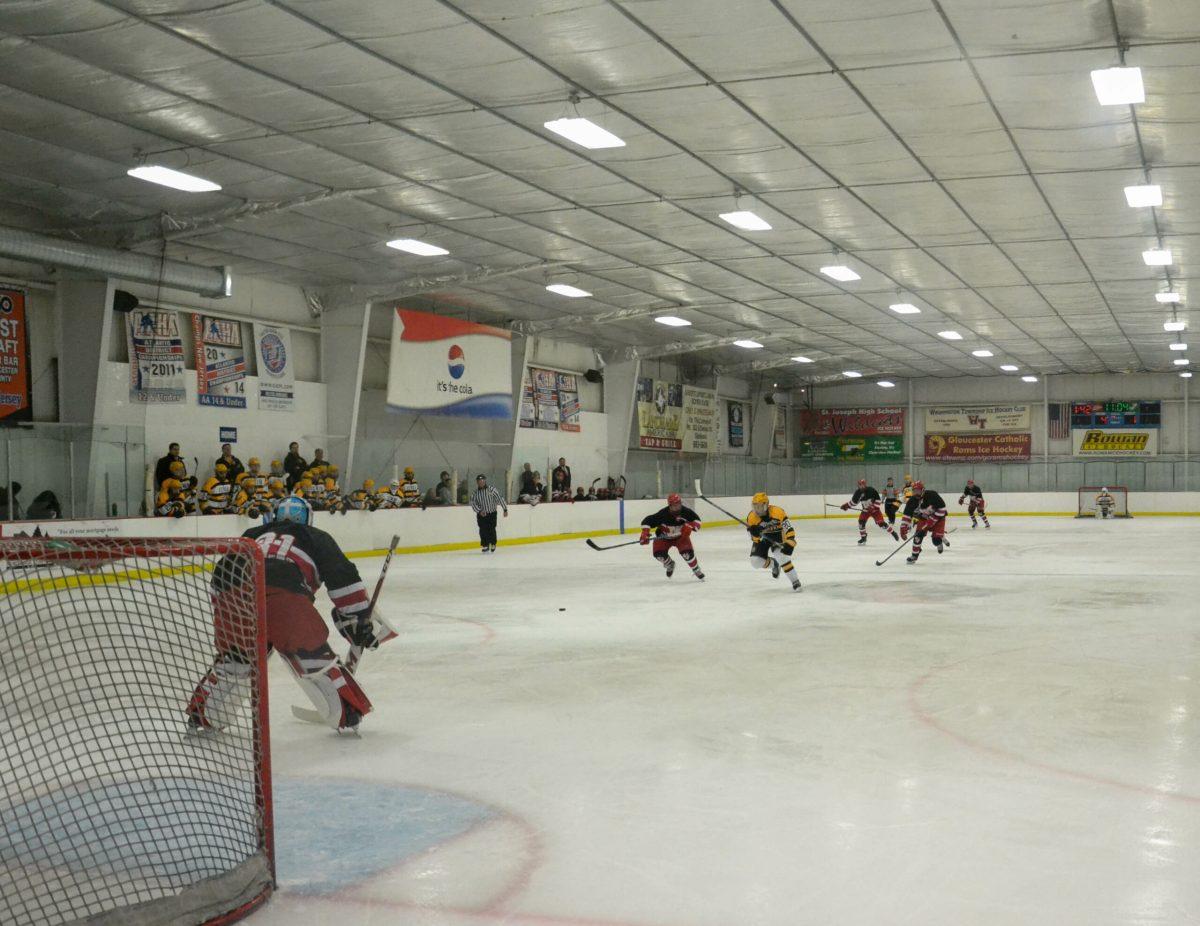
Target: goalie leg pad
(330,687)
(221,693)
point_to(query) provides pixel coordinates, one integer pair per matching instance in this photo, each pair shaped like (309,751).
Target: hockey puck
(562,609)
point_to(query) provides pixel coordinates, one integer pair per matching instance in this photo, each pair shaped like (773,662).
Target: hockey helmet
(294,509)
(177,469)
(908,478)
(394,484)
(409,472)
(276,468)
(970,482)
(862,483)
(918,486)
(1104,489)
(368,485)
(891,480)
(760,503)
(331,471)
(220,469)
(674,502)
(254,462)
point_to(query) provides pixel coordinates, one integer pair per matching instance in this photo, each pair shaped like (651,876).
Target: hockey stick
(700,494)
(851,508)
(612,546)
(880,562)
(356,652)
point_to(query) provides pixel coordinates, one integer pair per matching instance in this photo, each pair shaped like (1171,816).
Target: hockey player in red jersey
(299,558)
(929,511)
(673,526)
(976,503)
(867,498)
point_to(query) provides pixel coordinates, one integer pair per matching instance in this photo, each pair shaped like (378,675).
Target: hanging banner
(1115,442)
(701,426)
(220,363)
(16,383)
(779,432)
(860,422)
(977,448)
(528,412)
(851,449)
(660,414)
(990,418)
(545,398)
(276,368)
(447,366)
(568,401)
(735,417)
(156,362)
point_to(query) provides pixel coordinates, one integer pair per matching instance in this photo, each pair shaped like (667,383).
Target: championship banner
(1115,442)
(965,419)
(528,414)
(660,414)
(220,363)
(700,425)
(568,401)
(446,366)
(735,416)
(16,383)
(779,431)
(858,422)
(156,362)
(545,398)
(851,449)
(276,369)
(977,448)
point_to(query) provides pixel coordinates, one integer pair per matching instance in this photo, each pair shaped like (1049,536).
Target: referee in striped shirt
(483,502)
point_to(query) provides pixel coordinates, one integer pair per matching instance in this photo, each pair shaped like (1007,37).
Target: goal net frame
(118,809)
(1086,506)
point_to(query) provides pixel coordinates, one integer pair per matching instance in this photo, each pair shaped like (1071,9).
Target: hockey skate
(698,574)
(973,524)
(774,569)
(912,559)
(670,567)
(862,540)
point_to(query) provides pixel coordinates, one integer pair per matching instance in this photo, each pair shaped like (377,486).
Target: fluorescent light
(672,320)
(886,384)
(1178,346)
(803,359)
(950,335)
(1166,297)
(1148,195)
(1174,326)
(746,220)
(1029,379)
(1157,257)
(176,180)
(413,246)
(1009,368)
(840,273)
(1119,86)
(851,374)
(982,353)
(584,132)
(1186,374)
(1181,361)
(905,308)
(748,344)
(572,292)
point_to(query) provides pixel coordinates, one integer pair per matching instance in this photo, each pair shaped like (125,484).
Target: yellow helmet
(220,468)
(908,477)
(331,470)
(254,461)
(277,467)
(176,468)
(409,472)
(368,485)
(760,502)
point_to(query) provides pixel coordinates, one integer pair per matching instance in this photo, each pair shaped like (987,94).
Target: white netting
(1089,501)
(113,806)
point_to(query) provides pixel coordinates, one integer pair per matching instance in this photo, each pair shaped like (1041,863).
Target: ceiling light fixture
(413,246)
(1147,195)
(1029,379)
(803,359)
(851,374)
(1181,361)
(886,384)
(982,353)
(841,273)
(1177,346)
(673,321)
(950,335)
(1009,368)
(1186,374)
(904,308)
(1166,297)
(175,179)
(1119,86)
(571,292)
(1174,326)
(1157,257)
(584,132)
(748,344)
(745,219)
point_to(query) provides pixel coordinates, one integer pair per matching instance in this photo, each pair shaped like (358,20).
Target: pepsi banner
(276,368)
(447,366)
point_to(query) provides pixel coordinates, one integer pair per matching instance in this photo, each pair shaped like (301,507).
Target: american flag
(1060,421)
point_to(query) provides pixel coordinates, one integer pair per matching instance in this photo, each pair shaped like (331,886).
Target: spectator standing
(232,464)
(484,501)
(162,469)
(445,489)
(561,475)
(294,465)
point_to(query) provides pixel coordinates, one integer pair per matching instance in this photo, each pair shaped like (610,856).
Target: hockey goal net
(1089,502)
(114,808)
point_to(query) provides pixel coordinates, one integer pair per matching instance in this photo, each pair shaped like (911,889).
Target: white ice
(1004,734)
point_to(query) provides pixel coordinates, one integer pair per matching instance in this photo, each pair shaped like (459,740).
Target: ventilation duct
(214,282)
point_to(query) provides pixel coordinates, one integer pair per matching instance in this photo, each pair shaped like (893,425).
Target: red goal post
(1088,507)
(115,808)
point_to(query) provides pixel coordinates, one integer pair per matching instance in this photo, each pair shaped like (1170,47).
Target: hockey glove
(903,531)
(645,538)
(960,499)
(685,532)
(845,506)
(358,629)
(755,533)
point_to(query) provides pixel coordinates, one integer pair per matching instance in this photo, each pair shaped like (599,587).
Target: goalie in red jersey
(867,498)
(673,526)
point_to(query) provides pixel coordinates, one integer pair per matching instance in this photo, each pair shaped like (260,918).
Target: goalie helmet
(294,509)
(760,503)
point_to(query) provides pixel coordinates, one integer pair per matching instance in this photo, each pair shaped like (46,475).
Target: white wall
(586,451)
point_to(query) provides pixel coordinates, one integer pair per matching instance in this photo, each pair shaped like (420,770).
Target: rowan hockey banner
(660,414)
(977,448)
(568,401)
(967,419)
(276,368)
(156,362)
(701,427)
(1115,442)
(855,422)
(220,362)
(447,366)
(16,383)
(735,416)
(851,449)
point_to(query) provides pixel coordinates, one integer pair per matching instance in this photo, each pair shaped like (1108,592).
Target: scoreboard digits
(1116,414)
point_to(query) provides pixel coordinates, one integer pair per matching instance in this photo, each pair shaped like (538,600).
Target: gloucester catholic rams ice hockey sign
(446,366)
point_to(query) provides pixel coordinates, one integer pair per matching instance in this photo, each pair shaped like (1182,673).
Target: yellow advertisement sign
(1114,442)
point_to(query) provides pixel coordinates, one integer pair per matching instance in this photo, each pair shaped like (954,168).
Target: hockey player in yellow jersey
(303,486)
(170,503)
(772,539)
(315,493)
(187,486)
(907,491)
(217,492)
(363,499)
(333,491)
(277,481)
(410,490)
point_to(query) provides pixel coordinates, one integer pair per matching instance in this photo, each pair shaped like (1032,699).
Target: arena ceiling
(951,152)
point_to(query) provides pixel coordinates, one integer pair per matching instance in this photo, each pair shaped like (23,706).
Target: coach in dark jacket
(162,469)
(294,465)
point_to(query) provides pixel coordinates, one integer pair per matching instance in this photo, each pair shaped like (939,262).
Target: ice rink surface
(1004,734)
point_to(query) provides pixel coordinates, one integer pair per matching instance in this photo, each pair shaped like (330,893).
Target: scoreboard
(1129,414)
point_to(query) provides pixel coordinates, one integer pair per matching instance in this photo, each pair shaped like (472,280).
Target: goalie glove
(359,629)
